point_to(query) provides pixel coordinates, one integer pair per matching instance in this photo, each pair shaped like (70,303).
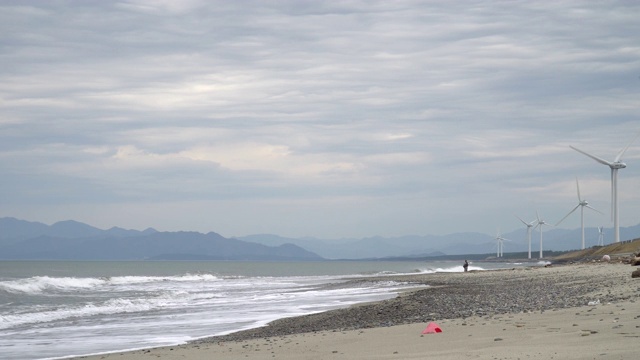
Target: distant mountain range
(20,239)
(71,240)
(451,244)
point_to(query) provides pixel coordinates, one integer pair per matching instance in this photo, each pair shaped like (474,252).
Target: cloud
(378,117)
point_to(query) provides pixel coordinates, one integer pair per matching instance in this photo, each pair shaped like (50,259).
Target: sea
(61,309)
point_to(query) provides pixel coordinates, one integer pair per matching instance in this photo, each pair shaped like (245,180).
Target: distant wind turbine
(600,236)
(500,244)
(615,165)
(530,226)
(541,223)
(581,204)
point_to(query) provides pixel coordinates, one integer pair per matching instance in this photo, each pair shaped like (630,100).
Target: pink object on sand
(432,328)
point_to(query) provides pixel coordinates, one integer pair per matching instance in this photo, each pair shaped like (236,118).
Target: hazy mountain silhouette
(12,228)
(381,247)
(451,244)
(71,240)
(20,239)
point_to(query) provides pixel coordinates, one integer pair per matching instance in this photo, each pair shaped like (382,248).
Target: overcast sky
(329,119)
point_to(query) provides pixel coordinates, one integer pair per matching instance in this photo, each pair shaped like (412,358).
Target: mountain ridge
(72,240)
(17,238)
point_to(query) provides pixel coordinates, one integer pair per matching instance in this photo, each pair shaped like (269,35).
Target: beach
(583,311)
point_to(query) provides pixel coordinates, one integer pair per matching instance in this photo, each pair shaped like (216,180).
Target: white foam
(40,284)
(457,268)
(112,306)
(118,280)
(164,299)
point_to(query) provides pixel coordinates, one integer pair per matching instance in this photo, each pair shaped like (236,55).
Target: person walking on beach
(466,265)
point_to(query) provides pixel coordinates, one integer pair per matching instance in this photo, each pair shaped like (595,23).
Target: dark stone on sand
(635,274)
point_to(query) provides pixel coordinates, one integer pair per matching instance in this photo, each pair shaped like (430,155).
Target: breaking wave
(42,284)
(111,306)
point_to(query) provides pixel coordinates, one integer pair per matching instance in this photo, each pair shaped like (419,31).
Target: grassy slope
(621,249)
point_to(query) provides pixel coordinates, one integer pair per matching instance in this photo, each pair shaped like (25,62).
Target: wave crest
(41,284)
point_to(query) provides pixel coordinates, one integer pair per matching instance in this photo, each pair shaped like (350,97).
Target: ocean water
(57,309)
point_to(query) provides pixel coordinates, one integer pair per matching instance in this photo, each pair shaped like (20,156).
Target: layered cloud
(315,118)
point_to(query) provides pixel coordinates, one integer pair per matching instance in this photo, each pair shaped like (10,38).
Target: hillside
(621,249)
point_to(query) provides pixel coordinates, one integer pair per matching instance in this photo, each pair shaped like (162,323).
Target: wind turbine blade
(619,156)
(524,222)
(594,209)
(566,216)
(601,161)
(578,187)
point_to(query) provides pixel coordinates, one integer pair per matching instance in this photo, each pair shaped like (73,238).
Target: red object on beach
(432,328)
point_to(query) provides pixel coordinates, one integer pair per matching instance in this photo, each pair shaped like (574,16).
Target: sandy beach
(587,311)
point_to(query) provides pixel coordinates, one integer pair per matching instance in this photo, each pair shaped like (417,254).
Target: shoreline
(555,295)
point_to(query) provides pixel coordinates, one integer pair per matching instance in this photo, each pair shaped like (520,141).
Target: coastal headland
(579,311)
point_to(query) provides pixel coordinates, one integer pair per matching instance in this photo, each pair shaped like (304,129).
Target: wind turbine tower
(540,223)
(581,204)
(615,165)
(600,236)
(530,227)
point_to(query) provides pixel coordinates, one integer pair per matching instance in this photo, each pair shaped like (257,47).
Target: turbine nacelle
(617,165)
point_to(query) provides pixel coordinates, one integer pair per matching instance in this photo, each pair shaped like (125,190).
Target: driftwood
(635,261)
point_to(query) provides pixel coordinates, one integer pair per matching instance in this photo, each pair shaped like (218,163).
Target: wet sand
(539,313)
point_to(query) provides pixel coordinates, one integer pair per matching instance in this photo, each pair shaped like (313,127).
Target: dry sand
(608,330)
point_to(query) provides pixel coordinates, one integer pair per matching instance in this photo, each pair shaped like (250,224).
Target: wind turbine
(600,236)
(530,227)
(581,204)
(540,223)
(500,240)
(615,165)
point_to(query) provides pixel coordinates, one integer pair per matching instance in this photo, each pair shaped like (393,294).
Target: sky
(328,119)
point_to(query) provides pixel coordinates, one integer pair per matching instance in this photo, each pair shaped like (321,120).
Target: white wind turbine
(530,227)
(581,204)
(541,223)
(500,244)
(615,165)
(600,236)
